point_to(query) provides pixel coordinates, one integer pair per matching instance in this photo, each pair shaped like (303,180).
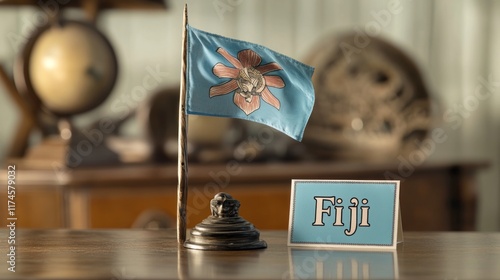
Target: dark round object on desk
(208,136)
(159,117)
(224,230)
(371,101)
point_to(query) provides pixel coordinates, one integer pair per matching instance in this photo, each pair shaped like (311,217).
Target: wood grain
(140,254)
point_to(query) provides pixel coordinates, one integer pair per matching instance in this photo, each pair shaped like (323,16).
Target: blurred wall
(455,44)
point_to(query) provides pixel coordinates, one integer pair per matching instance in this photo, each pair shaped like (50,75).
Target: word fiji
(321,209)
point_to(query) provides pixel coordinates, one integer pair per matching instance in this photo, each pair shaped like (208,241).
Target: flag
(237,79)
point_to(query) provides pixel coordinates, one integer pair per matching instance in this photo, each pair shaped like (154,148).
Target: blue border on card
(394,211)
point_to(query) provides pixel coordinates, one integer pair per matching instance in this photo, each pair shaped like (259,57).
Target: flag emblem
(248,80)
(230,78)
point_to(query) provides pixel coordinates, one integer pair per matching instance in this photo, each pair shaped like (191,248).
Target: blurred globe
(72,68)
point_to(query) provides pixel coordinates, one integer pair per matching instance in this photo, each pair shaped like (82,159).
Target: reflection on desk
(142,254)
(328,264)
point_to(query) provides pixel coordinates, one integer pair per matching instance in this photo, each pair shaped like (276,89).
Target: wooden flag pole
(182,168)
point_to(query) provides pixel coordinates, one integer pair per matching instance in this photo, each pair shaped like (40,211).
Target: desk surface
(140,254)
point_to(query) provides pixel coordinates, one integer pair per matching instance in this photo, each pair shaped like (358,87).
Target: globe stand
(224,230)
(86,148)
(73,148)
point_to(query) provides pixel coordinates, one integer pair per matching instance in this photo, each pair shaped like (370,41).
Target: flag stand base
(224,230)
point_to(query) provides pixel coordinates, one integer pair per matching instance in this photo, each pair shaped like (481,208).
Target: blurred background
(403,86)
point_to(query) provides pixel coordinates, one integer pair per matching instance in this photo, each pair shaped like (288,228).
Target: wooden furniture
(143,254)
(104,4)
(433,197)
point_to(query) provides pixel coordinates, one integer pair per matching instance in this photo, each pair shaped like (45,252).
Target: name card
(345,214)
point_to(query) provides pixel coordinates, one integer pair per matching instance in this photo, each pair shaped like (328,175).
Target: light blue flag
(237,79)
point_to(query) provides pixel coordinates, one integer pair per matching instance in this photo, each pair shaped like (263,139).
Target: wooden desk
(437,196)
(142,254)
